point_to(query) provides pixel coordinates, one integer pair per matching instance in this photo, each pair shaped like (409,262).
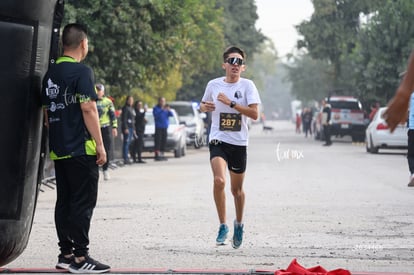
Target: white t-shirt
(244,93)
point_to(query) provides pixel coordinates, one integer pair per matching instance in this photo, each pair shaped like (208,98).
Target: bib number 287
(230,122)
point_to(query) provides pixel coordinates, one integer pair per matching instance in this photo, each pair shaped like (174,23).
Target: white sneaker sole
(88,271)
(235,247)
(62,266)
(226,242)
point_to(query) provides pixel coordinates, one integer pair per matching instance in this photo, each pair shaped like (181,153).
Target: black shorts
(234,155)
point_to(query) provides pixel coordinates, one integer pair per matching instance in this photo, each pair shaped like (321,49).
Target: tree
(140,43)
(310,78)
(384,45)
(241,33)
(332,30)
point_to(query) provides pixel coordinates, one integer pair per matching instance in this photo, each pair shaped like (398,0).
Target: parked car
(378,134)
(194,121)
(176,140)
(347,117)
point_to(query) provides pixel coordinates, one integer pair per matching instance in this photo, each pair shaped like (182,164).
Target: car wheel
(177,153)
(181,150)
(184,149)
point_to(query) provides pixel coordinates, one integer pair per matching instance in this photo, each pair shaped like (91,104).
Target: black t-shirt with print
(65,85)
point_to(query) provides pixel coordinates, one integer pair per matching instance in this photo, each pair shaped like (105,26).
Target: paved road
(332,206)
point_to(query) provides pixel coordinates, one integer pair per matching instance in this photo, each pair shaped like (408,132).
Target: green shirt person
(108,122)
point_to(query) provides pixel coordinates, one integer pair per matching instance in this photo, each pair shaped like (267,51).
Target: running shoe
(222,235)
(63,262)
(238,235)
(89,265)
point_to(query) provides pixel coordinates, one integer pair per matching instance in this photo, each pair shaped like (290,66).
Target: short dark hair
(100,87)
(73,34)
(233,49)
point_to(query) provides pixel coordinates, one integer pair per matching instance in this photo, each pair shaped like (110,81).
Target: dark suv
(347,117)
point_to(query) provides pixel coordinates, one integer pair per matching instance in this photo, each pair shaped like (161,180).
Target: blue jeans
(127,141)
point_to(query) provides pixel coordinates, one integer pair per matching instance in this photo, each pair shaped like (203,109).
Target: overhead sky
(277,19)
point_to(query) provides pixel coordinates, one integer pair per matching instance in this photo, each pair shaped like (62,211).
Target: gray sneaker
(238,235)
(222,235)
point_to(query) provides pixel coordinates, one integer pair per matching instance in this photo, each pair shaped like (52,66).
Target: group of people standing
(133,123)
(306,121)
(133,128)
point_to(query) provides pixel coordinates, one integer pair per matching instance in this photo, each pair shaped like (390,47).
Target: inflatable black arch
(29,39)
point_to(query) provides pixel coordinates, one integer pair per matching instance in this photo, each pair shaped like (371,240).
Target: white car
(176,135)
(378,134)
(188,113)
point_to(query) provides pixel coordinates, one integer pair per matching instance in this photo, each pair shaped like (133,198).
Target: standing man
(232,100)
(161,113)
(76,146)
(128,127)
(140,122)
(326,122)
(108,123)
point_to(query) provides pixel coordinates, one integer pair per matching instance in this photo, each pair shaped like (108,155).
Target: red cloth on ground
(296,269)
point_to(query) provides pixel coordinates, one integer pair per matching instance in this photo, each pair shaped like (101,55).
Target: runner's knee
(219,182)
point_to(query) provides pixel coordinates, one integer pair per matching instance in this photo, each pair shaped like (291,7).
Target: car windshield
(183,110)
(351,105)
(172,120)
(150,118)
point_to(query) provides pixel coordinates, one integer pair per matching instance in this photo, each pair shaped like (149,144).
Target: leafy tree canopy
(151,48)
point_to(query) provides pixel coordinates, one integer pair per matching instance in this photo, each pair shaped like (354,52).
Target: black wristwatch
(232,104)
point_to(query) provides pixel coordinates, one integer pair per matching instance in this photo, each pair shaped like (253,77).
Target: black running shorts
(234,155)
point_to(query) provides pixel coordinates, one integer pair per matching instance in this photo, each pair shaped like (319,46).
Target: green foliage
(238,28)
(310,78)
(364,46)
(141,44)
(270,76)
(384,46)
(149,48)
(332,30)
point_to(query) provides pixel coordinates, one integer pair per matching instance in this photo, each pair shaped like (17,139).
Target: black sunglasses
(235,61)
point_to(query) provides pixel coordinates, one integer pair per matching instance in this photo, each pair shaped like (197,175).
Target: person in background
(207,125)
(326,122)
(128,127)
(307,117)
(232,100)
(76,147)
(374,108)
(298,122)
(161,113)
(140,121)
(108,122)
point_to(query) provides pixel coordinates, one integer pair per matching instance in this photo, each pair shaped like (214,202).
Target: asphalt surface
(337,206)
